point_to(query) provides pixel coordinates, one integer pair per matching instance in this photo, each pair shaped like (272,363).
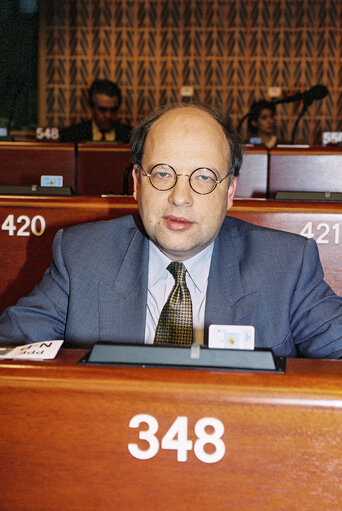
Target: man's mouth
(175,223)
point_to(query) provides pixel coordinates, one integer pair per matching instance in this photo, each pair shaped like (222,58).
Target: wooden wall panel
(230,51)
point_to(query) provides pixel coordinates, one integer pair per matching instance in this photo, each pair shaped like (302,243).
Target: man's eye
(203,177)
(162,177)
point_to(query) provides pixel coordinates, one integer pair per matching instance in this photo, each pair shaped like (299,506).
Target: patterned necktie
(175,321)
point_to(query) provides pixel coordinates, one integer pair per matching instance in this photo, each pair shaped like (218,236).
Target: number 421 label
(176,438)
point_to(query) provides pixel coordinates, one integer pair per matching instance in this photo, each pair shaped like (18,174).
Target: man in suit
(109,280)
(104,103)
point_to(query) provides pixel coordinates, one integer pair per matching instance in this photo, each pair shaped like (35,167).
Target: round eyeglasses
(163,177)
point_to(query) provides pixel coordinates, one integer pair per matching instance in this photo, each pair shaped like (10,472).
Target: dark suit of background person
(83,133)
(104,103)
(96,287)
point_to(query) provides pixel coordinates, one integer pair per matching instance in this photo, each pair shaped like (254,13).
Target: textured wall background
(230,51)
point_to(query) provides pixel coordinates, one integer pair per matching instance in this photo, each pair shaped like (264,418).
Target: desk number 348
(176,438)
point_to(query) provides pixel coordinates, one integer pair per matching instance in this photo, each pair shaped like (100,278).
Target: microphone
(316,92)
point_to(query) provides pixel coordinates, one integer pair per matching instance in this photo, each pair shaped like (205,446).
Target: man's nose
(181,194)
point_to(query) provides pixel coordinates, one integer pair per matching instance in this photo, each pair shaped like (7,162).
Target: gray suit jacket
(96,290)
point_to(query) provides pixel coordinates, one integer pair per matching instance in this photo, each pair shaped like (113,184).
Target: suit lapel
(122,302)
(230,299)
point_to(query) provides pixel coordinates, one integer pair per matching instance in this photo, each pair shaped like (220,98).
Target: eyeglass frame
(217,182)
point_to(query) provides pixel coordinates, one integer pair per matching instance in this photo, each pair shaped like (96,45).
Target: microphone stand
(306,104)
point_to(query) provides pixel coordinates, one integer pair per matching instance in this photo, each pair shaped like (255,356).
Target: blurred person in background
(104,126)
(261,124)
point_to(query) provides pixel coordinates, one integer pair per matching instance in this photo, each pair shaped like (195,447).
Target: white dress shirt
(161,282)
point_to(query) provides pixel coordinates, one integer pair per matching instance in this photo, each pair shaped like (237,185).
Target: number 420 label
(176,438)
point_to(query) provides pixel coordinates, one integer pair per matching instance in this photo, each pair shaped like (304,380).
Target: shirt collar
(97,134)
(197,266)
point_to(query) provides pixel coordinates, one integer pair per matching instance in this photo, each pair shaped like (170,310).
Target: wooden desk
(315,169)
(23,163)
(64,435)
(252,182)
(321,221)
(24,256)
(101,168)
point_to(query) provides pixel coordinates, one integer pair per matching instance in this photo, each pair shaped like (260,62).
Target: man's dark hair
(235,142)
(103,87)
(255,111)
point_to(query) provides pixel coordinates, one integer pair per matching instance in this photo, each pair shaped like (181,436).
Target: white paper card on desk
(51,180)
(35,351)
(236,337)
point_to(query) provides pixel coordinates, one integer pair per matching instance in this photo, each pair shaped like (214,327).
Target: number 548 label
(176,438)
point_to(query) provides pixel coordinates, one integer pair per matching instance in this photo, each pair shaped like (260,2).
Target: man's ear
(231,192)
(136,181)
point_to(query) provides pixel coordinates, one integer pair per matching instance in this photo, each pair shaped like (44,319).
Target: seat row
(97,169)
(28,225)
